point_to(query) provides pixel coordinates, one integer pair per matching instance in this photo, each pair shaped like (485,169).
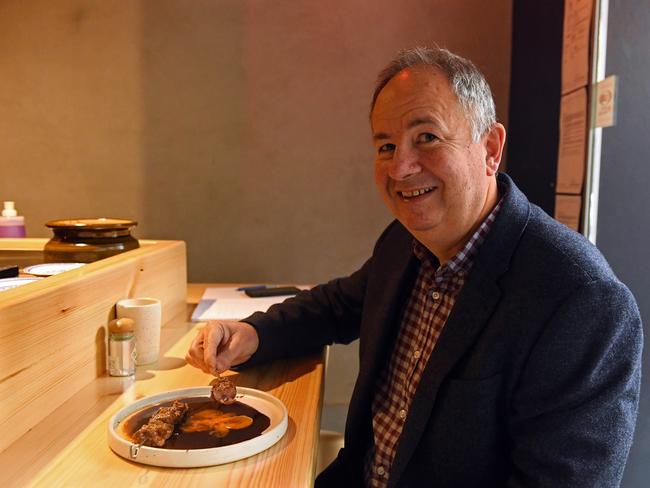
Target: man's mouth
(408,195)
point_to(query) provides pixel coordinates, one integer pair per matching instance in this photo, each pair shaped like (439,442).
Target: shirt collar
(464,258)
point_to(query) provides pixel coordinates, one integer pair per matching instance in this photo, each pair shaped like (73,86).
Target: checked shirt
(431,301)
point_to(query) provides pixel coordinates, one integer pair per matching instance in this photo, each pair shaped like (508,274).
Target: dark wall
(623,229)
(535,98)
(623,232)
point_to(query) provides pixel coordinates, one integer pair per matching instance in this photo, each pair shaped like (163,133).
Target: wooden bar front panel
(53,332)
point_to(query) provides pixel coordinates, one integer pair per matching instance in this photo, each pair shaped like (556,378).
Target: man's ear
(495,139)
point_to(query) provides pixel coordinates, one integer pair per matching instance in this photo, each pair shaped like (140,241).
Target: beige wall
(239,126)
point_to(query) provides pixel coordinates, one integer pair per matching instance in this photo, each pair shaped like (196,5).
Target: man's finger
(216,334)
(189,360)
(194,354)
(224,360)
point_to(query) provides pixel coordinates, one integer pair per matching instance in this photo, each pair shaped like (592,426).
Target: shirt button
(435,295)
(381,471)
(417,354)
(402,414)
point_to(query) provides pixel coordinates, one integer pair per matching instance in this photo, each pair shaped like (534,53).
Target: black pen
(253,287)
(9,271)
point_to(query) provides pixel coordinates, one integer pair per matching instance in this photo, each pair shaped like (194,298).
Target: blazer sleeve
(575,408)
(312,319)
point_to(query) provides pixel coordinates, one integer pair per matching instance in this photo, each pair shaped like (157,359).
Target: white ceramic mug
(147,315)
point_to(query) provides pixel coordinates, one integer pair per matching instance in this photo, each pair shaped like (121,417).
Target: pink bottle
(11,224)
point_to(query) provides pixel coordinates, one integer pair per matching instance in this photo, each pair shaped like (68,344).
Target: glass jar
(121,347)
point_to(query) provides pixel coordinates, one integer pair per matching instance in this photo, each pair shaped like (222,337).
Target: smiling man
(434,171)
(497,347)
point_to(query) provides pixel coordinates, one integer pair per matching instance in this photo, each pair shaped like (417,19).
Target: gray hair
(467,82)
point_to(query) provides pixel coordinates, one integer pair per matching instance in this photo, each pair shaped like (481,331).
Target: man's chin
(419,227)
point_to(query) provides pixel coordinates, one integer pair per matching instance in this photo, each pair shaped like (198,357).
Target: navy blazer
(534,380)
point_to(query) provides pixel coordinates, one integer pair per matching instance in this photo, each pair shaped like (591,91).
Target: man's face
(431,175)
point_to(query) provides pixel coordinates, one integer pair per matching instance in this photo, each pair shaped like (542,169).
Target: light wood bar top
(70,447)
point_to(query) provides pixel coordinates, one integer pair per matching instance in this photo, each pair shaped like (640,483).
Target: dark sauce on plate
(205,439)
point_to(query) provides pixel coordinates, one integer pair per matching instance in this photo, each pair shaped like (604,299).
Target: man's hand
(222,344)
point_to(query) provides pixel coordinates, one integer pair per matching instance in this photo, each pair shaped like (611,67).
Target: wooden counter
(70,447)
(53,331)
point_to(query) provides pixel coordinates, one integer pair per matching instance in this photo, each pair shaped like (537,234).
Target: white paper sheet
(229,303)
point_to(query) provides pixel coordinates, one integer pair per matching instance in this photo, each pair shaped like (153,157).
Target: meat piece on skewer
(171,415)
(161,425)
(224,391)
(154,433)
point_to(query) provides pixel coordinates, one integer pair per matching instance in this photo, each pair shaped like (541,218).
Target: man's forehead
(384,121)
(414,97)
(411,118)
(425,87)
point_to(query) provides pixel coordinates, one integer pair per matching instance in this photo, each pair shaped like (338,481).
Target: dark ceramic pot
(88,240)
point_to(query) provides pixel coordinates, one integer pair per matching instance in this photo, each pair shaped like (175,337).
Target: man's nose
(404,163)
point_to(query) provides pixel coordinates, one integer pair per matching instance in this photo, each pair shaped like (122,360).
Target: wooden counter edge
(29,456)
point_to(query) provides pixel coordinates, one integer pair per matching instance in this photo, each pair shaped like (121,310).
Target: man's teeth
(415,193)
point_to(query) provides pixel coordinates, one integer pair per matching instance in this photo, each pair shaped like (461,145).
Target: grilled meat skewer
(161,425)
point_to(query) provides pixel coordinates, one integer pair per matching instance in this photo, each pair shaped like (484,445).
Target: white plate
(49,269)
(191,458)
(7,283)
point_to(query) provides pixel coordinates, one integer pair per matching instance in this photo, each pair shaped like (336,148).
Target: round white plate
(49,269)
(7,283)
(191,458)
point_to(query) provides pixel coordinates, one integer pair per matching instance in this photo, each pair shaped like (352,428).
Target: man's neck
(445,251)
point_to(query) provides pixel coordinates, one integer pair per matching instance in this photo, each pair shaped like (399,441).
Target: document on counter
(225,303)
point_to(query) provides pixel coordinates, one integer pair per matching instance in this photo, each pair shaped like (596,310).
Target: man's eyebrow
(379,136)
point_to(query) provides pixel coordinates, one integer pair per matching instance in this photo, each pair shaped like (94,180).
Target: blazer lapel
(390,286)
(476,303)
(382,322)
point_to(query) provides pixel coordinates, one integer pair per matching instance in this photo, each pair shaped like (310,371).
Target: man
(497,348)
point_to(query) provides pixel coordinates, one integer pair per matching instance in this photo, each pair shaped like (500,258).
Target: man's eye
(387,148)
(426,137)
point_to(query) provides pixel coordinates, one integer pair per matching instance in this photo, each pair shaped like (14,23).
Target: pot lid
(100,223)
